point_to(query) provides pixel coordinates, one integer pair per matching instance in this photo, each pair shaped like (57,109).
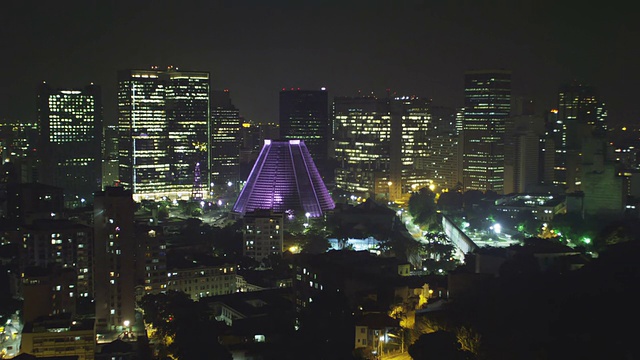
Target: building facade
(163,122)
(225,140)
(378,143)
(114,258)
(579,113)
(284,179)
(203,281)
(70,140)
(262,234)
(487,105)
(304,115)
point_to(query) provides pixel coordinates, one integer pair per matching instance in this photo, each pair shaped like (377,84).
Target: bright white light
(202,203)
(497,228)
(229,183)
(126,323)
(219,202)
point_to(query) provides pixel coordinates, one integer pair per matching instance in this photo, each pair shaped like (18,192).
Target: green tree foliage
(175,315)
(472,198)
(228,240)
(326,329)
(422,207)
(439,345)
(450,201)
(163,212)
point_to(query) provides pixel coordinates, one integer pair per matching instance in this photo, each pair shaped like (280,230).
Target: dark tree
(326,328)
(450,201)
(422,207)
(439,345)
(471,198)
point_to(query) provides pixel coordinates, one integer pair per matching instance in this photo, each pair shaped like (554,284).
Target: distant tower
(114,258)
(196,192)
(70,140)
(304,115)
(284,178)
(225,140)
(579,113)
(487,104)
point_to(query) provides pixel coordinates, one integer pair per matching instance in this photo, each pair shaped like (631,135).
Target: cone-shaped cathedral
(284,178)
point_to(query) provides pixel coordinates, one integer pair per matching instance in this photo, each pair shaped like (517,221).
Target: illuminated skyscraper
(362,143)
(304,115)
(19,142)
(225,140)
(70,139)
(110,156)
(487,105)
(377,142)
(579,113)
(284,178)
(187,104)
(163,119)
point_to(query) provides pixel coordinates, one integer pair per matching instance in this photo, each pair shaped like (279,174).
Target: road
(397,356)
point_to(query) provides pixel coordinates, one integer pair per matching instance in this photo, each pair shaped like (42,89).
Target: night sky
(255,48)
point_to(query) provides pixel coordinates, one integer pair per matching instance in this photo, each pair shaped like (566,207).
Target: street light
(307,215)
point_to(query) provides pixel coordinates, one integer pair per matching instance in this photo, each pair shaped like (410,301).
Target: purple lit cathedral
(284,178)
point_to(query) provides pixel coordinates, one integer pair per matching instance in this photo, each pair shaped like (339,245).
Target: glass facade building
(487,105)
(304,115)
(163,124)
(578,113)
(378,141)
(70,141)
(225,140)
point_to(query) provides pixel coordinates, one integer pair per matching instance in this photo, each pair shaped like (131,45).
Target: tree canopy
(422,207)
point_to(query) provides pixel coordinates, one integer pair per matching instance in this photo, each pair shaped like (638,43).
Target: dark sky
(255,48)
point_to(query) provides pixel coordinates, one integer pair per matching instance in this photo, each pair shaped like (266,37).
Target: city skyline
(417,48)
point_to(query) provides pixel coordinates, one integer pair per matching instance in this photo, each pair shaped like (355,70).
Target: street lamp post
(307,215)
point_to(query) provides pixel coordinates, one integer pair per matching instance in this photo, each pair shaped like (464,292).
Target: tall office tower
(411,125)
(443,165)
(579,113)
(378,142)
(163,121)
(285,178)
(114,258)
(443,120)
(225,140)
(487,105)
(70,140)
(459,120)
(304,115)
(19,139)
(605,192)
(18,143)
(522,149)
(110,156)
(363,143)
(188,118)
